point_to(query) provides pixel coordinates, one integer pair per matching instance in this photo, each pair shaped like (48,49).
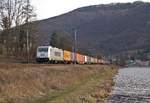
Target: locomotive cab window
(43,50)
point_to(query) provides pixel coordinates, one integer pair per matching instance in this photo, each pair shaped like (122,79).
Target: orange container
(67,55)
(80,58)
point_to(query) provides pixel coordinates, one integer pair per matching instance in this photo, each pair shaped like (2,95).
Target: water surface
(132,86)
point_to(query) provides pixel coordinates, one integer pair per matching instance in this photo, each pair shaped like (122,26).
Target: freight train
(55,56)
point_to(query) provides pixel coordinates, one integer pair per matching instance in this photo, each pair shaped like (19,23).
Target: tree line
(62,40)
(14,16)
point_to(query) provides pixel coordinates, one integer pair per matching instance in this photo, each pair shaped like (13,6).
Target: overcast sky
(50,8)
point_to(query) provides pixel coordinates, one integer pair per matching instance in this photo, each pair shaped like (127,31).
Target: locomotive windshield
(42,49)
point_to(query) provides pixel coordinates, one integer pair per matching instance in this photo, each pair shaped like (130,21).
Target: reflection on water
(132,86)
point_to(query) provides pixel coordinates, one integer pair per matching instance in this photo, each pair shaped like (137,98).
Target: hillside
(107,29)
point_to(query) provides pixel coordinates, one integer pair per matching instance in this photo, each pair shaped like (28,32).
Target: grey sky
(50,8)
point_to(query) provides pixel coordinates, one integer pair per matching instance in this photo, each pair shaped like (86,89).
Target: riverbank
(44,83)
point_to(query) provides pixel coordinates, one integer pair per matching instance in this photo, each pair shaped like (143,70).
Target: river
(132,85)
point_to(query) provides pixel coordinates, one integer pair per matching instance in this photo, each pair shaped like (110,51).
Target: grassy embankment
(20,83)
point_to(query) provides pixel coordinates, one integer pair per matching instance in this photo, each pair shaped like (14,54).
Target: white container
(56,54)
(86,59)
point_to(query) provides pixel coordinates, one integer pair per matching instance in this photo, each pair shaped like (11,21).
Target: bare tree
(14,13)
(6,15)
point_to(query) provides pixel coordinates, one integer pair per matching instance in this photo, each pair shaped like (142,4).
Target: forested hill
(109,29)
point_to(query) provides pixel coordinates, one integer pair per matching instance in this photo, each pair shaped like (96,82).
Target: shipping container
(80,58)
(87,60)
(99,61)
(96,60)
(67,55)
(92,60)
(56,54)
(102,61)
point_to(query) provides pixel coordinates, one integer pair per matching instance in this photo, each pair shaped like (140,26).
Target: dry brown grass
(20,83)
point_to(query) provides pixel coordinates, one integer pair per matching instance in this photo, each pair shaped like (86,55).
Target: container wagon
(95,60)
(92,60)
(67,57)
(80,58)
(56,55)
(87,60)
